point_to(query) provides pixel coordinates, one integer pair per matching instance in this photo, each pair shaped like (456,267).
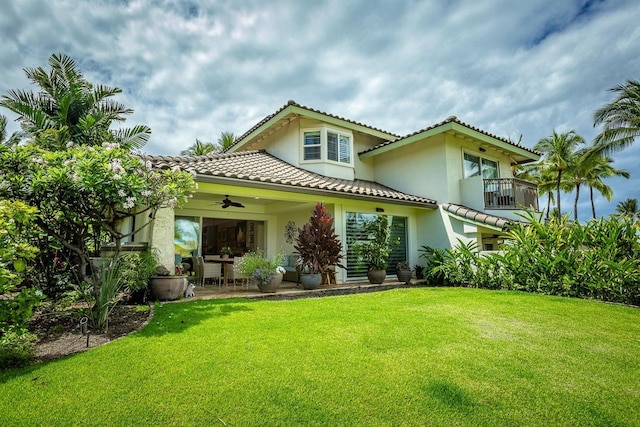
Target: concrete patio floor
(289,290)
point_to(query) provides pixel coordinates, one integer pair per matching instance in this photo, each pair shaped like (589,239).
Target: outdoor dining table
(225,266)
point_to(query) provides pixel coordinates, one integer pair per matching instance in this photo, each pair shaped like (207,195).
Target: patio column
(162,238)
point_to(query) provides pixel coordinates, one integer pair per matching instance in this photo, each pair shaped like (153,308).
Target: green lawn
(422,356)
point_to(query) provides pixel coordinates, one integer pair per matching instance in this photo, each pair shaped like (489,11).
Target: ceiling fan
(226,202)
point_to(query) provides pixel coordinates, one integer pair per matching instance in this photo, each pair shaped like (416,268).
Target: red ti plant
(317,245)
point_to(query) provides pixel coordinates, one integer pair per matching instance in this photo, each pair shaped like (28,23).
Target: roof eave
(406,141)
(309,190)
(301,111)
(456,127)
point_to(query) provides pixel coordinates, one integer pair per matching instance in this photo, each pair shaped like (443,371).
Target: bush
(17,347)
(599,260)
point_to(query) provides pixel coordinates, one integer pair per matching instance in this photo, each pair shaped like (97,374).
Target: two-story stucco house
(446,182)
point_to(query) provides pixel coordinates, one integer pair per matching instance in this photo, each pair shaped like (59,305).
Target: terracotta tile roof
(477,216)
(293,103)
(261,167)
(451,119)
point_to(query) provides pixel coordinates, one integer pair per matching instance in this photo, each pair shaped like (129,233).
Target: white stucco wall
(162,238)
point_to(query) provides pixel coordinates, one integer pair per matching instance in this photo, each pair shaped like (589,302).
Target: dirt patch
(59,332)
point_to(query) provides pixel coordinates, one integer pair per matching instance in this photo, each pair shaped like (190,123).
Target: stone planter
(168,288)
(404,276)
(272,285)
(311,281)
(376,276)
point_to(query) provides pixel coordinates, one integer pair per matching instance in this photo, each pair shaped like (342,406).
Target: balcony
(510,193)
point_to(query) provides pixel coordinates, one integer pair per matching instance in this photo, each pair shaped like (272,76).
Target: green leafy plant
(16,301)
(257,266)
(226,250)
(599,259)
(318,248)
(404,265)
(375,251)
(17,346)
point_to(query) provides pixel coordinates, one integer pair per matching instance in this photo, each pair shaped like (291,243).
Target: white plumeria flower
(122,193)
(69,144)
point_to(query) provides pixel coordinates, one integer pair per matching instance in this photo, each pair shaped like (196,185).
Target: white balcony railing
(510,193)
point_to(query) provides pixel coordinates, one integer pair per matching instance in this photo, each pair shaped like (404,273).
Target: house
(446,182)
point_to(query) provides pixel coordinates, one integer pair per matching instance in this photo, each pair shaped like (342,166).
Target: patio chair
(213,270)
(198,269)
(234,274)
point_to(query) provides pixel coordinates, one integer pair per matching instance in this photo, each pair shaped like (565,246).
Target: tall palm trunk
(593,207)
(575,203)
(548,205)
(558,192)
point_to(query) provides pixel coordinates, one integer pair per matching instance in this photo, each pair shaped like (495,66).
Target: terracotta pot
(225,256)
(376,276)
(404,276)
(311,281)
(168,288)
(272,285)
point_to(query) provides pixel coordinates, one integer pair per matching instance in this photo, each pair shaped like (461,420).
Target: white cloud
(191,69)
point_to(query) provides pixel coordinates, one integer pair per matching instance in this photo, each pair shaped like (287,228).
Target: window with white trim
(312,145)
(479,166)
(327,144)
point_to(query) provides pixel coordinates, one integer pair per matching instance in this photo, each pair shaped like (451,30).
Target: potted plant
(226,252)
(419,271)
(318,249)
(165,286)
(403,271)
(375,251)
(267,273)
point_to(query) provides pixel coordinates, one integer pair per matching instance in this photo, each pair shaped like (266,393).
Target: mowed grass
(427,356)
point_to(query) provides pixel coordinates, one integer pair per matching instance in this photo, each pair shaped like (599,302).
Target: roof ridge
(450,119)
(292,103)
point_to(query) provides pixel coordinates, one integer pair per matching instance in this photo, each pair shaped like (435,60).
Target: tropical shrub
(434,257)
(257,266)
(599,259)
(317,244)
(16,348)
(17,301)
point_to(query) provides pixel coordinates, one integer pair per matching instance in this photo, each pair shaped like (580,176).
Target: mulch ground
(59,332)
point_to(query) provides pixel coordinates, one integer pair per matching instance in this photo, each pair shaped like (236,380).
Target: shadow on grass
(451,395)
(174,318)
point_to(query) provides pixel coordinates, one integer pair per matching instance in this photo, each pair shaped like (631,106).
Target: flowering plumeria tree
(84,193)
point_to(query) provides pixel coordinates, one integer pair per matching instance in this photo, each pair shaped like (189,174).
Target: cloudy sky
(191,69)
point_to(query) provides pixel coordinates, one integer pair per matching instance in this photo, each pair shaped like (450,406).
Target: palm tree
(226,140)
(200,149)
(620,118)
(15,137)
(71,108)
(628,208)
(557,152)
(542,176)
(601,168)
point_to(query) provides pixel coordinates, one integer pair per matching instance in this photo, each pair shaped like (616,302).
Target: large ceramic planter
(272,285)
(404,276)
(168,288)
(311,281)
(376,276)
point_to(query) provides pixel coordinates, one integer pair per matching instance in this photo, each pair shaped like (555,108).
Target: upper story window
(312,145)
(479,166)
(327,144)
